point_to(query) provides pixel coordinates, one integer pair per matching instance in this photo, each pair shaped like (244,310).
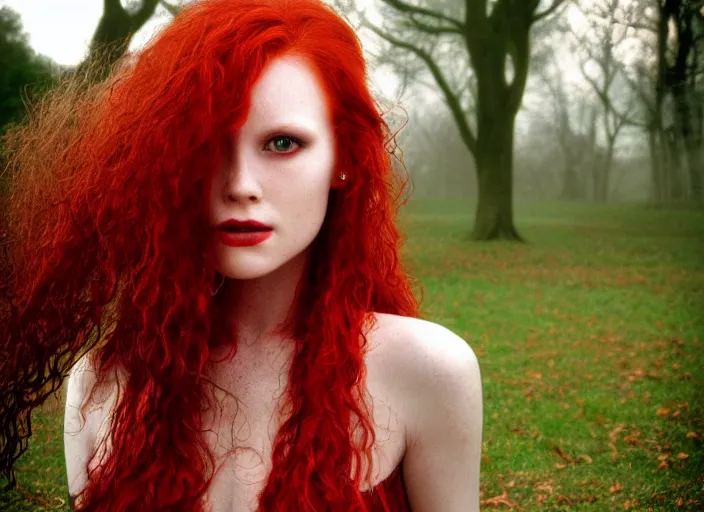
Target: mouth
(243,237)
(233,229)
(243,226)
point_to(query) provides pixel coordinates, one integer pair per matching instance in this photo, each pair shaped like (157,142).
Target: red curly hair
(106,249)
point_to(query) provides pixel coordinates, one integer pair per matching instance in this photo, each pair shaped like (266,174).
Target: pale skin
(423,381)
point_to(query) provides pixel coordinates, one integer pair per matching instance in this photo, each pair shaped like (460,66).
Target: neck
(256,309)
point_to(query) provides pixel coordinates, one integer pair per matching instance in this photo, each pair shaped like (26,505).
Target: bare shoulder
(442,411)
(422,346)
(81,423)
(428,362)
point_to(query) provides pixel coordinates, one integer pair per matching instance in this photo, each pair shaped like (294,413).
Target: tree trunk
(572,187)
(494,216)
(674,163)
(497,105)
(605,172)
(694,158)
(658,192)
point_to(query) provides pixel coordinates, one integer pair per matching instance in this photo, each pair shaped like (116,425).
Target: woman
(206,242)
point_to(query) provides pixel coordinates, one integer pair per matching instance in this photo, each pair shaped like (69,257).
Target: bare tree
(669,81)
(681,77)
(574,124)
(599,44)
(479,61)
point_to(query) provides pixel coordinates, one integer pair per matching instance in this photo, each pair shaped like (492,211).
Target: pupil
(282,143)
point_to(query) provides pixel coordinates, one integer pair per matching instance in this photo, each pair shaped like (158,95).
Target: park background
(573,269)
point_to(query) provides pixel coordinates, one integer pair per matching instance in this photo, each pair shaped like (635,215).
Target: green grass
(590,341)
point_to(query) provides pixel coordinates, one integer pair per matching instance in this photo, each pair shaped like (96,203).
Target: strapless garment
(389,495)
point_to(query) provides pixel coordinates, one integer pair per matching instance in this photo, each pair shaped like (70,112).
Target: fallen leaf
(561,454)
(679,502)
(563,499)
(617,487)
(613,436)
(663,411)
(541,498)
(663,465)
(633,438)
(693,435)
(585,458)
(545,486)
(682,456)
(559,465)
(664,456)
(497,501)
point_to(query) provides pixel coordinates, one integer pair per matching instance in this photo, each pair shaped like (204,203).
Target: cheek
(314,198)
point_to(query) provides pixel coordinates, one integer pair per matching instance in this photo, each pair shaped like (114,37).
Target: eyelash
(300,143)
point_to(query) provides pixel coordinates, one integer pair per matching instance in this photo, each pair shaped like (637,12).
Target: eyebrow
(306,128)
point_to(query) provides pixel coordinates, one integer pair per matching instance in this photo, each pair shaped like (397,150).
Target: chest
(241,429)
(247,394)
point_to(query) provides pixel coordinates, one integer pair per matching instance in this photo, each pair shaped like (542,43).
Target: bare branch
(173,9)
(547,12)
(412,22)
(112,5)
(603,94)
(639,26)
(145,12)
(465,131)
(459,27)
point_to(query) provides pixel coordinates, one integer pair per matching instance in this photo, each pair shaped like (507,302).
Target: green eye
(283,144)
(286,144)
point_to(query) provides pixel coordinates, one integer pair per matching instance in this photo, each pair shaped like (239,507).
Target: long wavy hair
(106,248)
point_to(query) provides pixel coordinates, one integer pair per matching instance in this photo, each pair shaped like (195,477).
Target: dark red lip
(242,224)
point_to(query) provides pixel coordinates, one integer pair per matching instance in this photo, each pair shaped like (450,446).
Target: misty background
(608,93)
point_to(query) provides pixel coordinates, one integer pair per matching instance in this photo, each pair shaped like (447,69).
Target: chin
(245,265)
(244,272)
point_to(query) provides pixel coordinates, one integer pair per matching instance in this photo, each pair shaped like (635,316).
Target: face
(279,172)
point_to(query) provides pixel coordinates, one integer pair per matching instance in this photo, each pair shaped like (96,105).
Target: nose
(241,184)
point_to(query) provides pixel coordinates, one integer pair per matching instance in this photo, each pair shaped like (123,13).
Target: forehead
(287,89)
